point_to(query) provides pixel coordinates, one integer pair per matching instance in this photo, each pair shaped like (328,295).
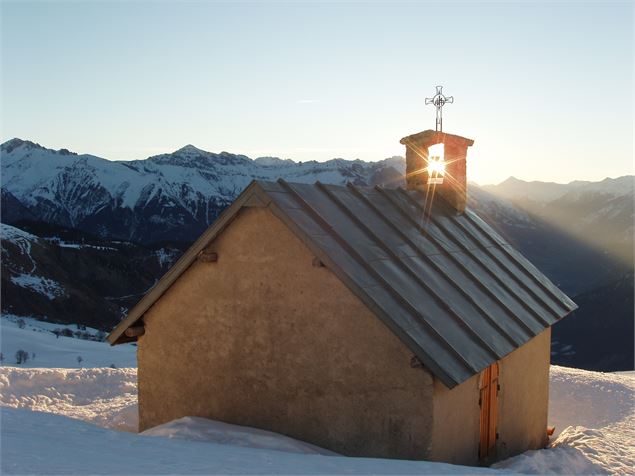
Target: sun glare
(436,163)
(436,167)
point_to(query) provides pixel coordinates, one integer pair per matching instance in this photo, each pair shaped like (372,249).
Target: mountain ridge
(93,218)
(152,199)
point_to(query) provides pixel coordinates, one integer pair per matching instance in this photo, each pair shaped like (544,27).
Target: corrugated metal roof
(456,293)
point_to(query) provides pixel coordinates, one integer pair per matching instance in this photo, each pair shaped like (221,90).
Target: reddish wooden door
(488,386)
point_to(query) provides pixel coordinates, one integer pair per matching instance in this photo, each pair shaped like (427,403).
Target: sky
(544,88)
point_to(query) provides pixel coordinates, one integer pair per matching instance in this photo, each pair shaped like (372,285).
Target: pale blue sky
(545,89)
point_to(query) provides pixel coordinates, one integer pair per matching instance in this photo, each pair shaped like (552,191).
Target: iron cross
(439,100)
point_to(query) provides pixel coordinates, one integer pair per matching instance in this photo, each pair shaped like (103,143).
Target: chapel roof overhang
(450,287)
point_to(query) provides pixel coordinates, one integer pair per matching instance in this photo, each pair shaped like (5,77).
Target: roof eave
(117,335)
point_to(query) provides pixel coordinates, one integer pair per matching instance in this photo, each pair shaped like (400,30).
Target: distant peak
(189,148)
(269,161)
(511,179)
(13,144)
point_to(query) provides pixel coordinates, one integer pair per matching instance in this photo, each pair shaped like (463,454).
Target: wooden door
(488,386)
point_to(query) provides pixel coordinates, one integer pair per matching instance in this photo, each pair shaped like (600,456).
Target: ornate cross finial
(439,100)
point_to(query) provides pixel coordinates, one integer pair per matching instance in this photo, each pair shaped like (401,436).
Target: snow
(41,443)
(272,161)
(70,420)
(590,399)
(617,187)
(186,177)
(166,256)
(40,285)
(203,429)
(65,244)
(37,338)
(24,275)
(594,415)
(21,239)
(13,234)
(103,396)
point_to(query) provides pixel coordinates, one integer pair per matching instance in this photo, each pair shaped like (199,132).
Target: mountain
(174,197)
(543,192)
(516,189)
(89,236)
(77,278)
(581,235)
(601,213)
(166,197)
(599,334)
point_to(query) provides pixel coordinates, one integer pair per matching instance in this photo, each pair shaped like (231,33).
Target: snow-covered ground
(203,429)
(102,396)
(47,350)
(41,443)
(594,416)
(70,421)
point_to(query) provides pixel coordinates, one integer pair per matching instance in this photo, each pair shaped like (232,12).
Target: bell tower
(445,174)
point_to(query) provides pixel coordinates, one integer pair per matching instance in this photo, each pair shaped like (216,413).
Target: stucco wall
(265,339)
(455,434)
(522,408)
(524,397)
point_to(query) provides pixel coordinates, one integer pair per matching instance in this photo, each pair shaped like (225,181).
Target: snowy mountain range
(600,212)
(166,197)
(175,196)
(83,237)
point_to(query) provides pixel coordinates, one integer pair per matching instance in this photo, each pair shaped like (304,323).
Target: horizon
(319,81)
(488,184)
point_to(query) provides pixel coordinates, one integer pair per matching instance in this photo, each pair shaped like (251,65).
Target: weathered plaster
(263,338)
(522,408)
(524,397)
(455,429)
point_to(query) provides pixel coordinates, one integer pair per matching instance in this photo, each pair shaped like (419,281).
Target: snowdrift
(69,420)
(103,396)
(593,411)
(202,429)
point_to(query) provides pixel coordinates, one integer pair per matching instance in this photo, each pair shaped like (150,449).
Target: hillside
(76,278)
(599,334)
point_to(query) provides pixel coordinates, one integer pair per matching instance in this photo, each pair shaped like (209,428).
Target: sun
(436,166)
